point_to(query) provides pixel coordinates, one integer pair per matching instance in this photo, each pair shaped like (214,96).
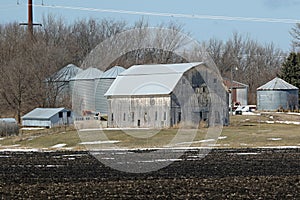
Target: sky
(266,21)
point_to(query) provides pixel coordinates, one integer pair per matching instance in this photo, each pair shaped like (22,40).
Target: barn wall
(36,122)
(145,111)
(191,99)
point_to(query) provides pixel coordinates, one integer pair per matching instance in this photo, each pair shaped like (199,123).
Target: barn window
(124,117)
(165,116)
(60,114)
(155,116)
(132,116)
(145,117)
(69,114)
(112,116)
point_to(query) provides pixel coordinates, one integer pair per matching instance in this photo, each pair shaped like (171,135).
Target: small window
(69,114)
(165,116)
(155,115)
(132,116)
(124,117)
(112,116)
(145,117)
(60,114)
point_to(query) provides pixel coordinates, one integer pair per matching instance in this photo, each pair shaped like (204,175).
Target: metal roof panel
(42,113)
(277,84)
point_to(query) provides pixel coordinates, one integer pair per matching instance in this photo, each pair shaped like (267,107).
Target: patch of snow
(274,139)
(270,122)
(282,122)
(31,129)
(222,137)
(101,142)
(291,113)
(19,150)
(280,147)
(2,138)
(59,145)
(194,142)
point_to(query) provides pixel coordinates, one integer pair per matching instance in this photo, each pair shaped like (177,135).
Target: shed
(277,94)
(47,117)
(103,85)
(83,89)
(166,95)
(239,93)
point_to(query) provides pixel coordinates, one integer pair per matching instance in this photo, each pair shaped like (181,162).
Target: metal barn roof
(277,84)
(112,72)
(88,74)
(42,113)
(159,79)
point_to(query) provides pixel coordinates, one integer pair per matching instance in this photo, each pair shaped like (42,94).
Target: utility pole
(30,23)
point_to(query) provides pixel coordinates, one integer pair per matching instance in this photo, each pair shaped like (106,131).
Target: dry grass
(244,131)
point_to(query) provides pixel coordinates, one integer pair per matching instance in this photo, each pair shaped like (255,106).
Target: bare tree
(295,33)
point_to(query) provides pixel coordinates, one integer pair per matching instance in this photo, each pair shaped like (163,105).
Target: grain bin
(277,94)
(83,89)
(103,85)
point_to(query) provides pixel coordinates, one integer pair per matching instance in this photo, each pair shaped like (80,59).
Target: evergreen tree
(290,71)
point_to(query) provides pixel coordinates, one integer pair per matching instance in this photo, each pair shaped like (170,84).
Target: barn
(103,85)
(47,117)
(277,94)
(167,95)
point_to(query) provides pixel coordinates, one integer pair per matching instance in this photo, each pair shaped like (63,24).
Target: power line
(177,15)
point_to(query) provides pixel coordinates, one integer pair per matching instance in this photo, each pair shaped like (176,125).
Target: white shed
(47,117)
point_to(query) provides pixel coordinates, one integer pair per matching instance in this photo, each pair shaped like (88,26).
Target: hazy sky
(262,20)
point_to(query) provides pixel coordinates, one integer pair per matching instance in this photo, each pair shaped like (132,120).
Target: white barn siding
(146,112)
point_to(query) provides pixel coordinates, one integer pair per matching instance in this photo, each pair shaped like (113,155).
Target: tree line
(26,62)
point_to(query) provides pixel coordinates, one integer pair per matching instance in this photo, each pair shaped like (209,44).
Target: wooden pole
(30,24)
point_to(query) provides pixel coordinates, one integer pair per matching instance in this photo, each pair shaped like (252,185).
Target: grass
(244,131)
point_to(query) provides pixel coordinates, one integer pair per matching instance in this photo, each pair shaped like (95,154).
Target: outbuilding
(277,95)
(238,95)
(167,95)
(47,117)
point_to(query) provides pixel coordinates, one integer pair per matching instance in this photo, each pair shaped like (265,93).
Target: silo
(103,85)
(58,85)
(277,94)
(62,78)
(83,90)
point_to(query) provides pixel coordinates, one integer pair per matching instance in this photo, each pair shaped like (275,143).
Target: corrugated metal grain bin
(83,89)
(277,94)
(103,85)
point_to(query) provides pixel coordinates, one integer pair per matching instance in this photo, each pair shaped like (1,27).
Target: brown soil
(223,174)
